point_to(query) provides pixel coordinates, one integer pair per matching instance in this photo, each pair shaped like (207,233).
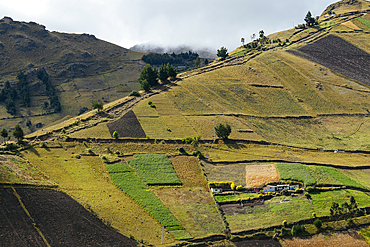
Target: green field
(132,185)
(155,169)
(234,197)
(315,175)
(342,178)
(365,233)
(295,172)
(322,201)
(272,212)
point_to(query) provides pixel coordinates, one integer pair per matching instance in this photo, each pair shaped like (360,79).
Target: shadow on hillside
(33,150)
(233,144)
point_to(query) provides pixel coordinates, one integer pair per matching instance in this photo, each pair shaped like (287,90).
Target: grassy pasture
(204,126)
(327,132)
(322,176)
(360,176)
(155,169)
(234,197)
(87,181)
(365,233)
(265,153)
(342,178)
(132,185)
(322,201)
(272,212)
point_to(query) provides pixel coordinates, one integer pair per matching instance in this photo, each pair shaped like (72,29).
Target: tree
(310,20)
(162,74)
(97,105)
(18,133)
(317,223)
(262,34)
(206,62)
(145,85)
(171,71)
(197,63)
(150,74)
(4,134)
(222,53)
(115,135)
(10,106)
(223,131)
(242,40)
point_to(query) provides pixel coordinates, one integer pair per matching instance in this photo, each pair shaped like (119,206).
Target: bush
(298,229)
(298,191)
(310,188)
(284,231)
(150,102)
(317,223)
(134,93)
(182,150)
(307,195)
(115,135)
(285,223)
(314,214)
(239,187)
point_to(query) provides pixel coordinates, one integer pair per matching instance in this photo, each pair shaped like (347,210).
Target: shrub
(317,223)
(299,191)
(297,229)
(134,93)
(169,130)
(310,188)
(284,231)
(115,135)
(307,195)
(182,150)
(285,223)
(232,186)
(150,102)
(314,214)
(239,187)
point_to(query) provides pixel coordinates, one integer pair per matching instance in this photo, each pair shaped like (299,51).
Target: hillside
(81,68)
(299,114)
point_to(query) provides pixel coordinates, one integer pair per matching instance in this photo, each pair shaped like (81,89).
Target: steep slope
(81,68)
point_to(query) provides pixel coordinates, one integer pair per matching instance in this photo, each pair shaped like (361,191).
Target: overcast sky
(201,23)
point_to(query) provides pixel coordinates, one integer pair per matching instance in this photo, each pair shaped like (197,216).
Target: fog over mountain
(206,23)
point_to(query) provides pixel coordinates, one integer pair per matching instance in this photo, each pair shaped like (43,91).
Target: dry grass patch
(257,175)
(194,208)
(343,239)
(189,172)
(224,173)
(98,131)
(14,169)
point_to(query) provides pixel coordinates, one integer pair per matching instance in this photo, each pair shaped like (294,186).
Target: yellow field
(256,175)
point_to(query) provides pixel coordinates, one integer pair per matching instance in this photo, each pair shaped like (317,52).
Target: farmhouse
(269,188)
(216,190)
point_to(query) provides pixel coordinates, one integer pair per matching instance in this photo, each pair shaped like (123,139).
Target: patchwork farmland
(167,179)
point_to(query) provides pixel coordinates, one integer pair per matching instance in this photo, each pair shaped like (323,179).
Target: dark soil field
(338,55)
(61,220)
(259,243)
(127,126)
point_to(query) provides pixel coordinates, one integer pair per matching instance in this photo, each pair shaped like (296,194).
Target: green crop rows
(155,169)
(132,185)
(295,172)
